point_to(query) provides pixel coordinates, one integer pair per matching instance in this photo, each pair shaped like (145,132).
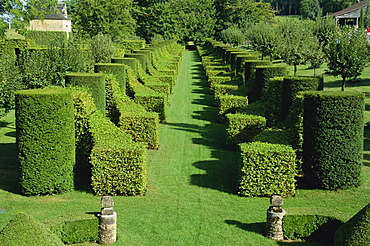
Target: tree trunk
(295,70)
(343,83)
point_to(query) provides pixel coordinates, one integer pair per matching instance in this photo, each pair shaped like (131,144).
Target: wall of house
(51,25)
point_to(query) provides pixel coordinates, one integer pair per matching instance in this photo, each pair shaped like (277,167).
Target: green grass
(191,198)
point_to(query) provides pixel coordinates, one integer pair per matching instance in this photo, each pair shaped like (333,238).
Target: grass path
(191,198)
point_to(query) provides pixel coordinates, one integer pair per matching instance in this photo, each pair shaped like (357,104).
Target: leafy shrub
(273,97)
(119,53)
(118,165)
(26,230)
(41,67)
(94,82)
(316,228)
(333,138)
(45,140)
(233,57)
(355,231)
(233,35)
(74,228)
(102,48)
(241,59)
(266,169)
(242,128)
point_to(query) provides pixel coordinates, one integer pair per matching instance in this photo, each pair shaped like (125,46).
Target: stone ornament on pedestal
(274,220)
(107,221)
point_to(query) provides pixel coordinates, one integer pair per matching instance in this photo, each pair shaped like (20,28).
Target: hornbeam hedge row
(106,153)
(272,114)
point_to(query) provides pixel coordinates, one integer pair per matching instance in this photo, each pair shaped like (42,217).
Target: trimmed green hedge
(263,76)
(274,136)
(242,128)
(356,231)
(233,57)
(267,169)
(255,108)
(293,85)
(95,82)
(58,38)
(218,79)
(273,97)
(118,164)
(131,117)
(333,138)
(241,59)
(222,89)
(250,70)
(118,70)
(143,95)
(130,45)
(45,140)
(131,62)
(141,58)
(230,104)
(26,230)
(314,228)
(75,228)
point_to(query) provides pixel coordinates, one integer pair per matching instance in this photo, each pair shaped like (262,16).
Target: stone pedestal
(107,221)
(274,220)
(108,228)
(274,224)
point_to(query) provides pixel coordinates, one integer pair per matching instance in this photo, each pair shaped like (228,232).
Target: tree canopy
(347,54)
(112,17)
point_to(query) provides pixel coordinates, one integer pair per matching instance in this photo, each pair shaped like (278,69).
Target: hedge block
(267,169)
(26,230)
(45,140)
(314,228)
(75,228)
(95,82)
(333,138)
(356,231)
(242,128)
(118,70)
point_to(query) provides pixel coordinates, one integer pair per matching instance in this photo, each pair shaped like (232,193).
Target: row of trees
(149,19)
(294,7)
(298,42)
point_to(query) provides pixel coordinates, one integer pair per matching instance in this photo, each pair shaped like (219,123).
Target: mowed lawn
(191,198)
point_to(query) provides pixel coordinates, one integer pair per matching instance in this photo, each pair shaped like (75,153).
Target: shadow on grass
(260,228)
(9,173)
(220,172)
(367,147)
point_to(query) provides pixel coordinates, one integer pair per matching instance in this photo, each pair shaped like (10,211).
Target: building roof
(354,7)
(59,14)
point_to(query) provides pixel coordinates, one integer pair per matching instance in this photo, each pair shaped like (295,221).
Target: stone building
(58,21)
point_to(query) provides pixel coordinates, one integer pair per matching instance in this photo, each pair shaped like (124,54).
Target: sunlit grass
(191,198)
